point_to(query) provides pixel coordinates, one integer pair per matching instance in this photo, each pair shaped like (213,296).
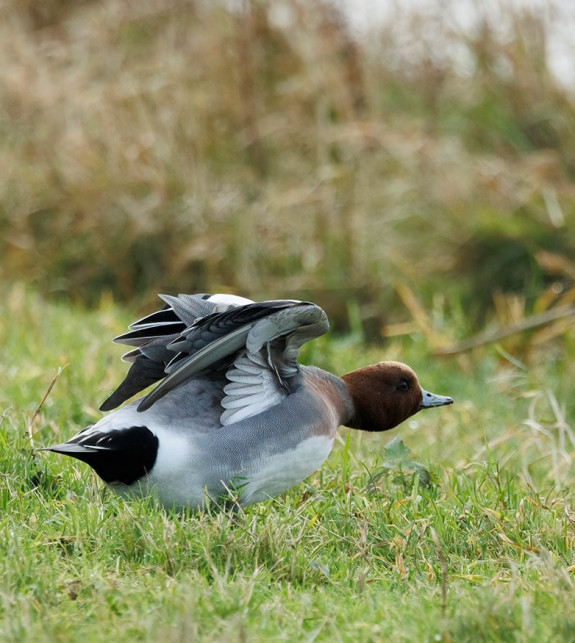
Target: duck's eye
(403,385)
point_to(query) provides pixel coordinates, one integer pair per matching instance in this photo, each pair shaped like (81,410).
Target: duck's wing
(256,344)
(153,335)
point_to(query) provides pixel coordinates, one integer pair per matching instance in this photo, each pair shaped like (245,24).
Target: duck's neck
(332,390)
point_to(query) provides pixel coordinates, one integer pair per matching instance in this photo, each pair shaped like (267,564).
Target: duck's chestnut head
(386,394)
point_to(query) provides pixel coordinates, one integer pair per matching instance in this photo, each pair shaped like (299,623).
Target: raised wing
(269,334)
(255,345)
(153,334)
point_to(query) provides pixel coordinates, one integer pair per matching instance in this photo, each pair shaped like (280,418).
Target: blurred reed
(269,149)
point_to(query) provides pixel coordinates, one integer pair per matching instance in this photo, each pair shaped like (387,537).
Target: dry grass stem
(39,408)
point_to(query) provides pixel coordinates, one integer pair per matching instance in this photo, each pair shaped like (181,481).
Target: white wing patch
(253,388)
(228,300)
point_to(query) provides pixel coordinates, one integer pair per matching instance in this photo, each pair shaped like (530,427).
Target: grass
(362,550)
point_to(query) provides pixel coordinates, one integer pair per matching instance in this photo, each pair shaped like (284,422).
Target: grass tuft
(483,552)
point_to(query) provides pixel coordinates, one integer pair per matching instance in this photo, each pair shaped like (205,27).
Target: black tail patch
(123,455)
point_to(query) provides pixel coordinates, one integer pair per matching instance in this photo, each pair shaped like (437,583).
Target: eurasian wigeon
(234,416)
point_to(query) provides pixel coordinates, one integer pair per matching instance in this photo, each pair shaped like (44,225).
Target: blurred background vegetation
(274,150)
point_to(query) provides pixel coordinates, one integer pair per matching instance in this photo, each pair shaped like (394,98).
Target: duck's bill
(431,399)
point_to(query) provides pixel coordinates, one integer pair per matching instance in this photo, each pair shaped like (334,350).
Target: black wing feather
(152,335)
(143,373)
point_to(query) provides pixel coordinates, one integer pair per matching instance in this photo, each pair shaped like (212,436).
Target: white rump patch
(229,300)
(253,388)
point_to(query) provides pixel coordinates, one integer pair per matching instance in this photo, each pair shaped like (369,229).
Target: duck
(233,418)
